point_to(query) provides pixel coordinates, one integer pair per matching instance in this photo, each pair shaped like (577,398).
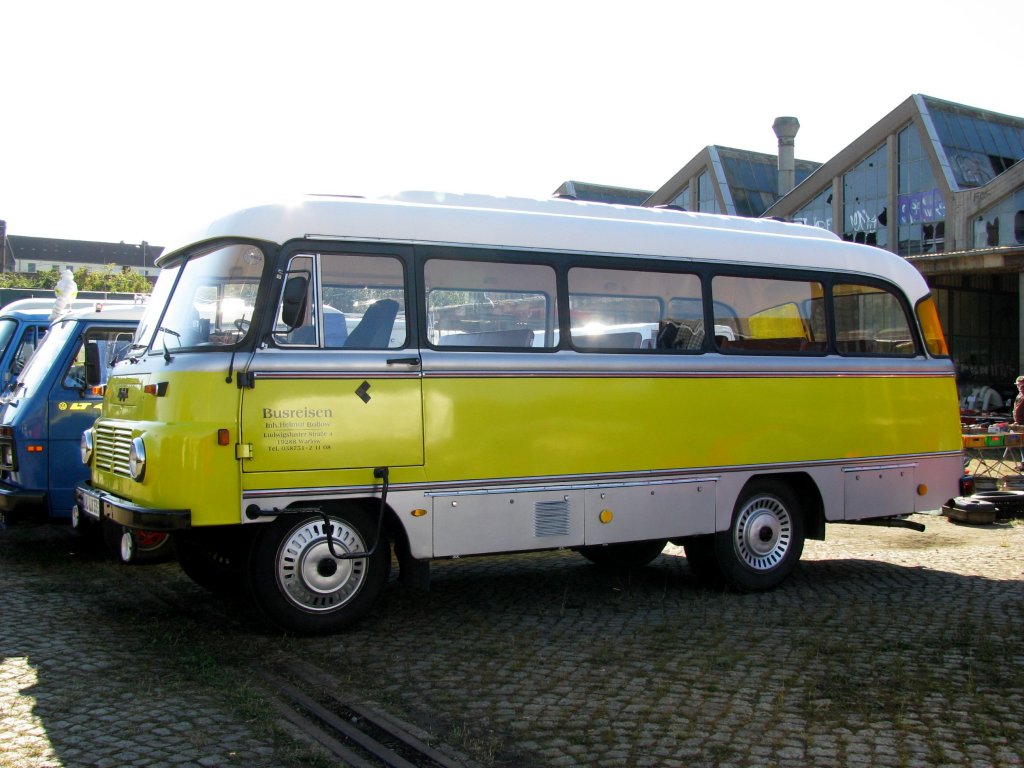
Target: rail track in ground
(354,732)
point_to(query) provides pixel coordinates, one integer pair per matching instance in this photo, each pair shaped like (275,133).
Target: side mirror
(293,301)
(93,364)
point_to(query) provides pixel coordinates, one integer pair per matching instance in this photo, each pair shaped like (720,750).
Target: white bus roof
(559,225)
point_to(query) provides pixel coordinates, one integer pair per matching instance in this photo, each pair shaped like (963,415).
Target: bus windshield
(205,302)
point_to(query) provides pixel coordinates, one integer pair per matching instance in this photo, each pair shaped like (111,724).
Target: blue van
(23,324)
(47,407)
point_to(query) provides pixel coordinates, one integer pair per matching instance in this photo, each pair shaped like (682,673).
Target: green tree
(110,279)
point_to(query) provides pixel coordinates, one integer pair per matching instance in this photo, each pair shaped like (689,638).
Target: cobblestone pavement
(887,648)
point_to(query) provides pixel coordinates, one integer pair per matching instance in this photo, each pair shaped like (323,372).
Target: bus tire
(300,587)
(765,539)
(703,561)
(630,554)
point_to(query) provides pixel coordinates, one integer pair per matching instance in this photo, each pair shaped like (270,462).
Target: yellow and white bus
(318,384)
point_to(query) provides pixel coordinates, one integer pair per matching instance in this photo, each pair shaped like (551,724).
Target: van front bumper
(100,505)
(15,499)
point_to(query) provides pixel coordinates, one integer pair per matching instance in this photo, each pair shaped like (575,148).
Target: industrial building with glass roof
(939,183)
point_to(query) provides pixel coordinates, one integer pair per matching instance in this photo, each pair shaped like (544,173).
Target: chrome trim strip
(366,373)
(880,467)
(572,487)
(593,374)
(640,374)
(311,364)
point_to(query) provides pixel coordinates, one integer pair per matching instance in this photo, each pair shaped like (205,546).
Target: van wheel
(301,587)
(764,541)
(152,546)
(631,554)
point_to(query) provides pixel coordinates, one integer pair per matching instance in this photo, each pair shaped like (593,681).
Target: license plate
(91,505)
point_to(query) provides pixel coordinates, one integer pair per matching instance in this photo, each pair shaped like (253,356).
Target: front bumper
(15,499)
(99,505)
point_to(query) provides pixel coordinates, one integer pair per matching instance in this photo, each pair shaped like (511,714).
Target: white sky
(127,120)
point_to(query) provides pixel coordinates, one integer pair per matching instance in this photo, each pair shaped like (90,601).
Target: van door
(342,389)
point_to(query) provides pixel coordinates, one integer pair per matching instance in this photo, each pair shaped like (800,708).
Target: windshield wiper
(163,339)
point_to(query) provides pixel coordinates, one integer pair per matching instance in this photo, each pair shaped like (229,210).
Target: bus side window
(627,310)
(490,304)
(362,301)
(870,321)
(769,315)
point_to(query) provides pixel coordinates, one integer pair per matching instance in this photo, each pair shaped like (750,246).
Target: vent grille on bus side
(551,518)
(111,449)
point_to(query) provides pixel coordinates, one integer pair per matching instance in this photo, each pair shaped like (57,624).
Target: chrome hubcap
(763,533)
(309,576)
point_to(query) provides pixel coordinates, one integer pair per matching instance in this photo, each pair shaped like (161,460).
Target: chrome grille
(111,449)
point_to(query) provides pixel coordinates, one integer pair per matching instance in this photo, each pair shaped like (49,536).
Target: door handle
(404,361)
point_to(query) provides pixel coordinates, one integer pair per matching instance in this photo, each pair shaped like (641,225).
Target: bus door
(341,390)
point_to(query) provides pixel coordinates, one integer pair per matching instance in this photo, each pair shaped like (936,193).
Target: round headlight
(137,459)
(86,446)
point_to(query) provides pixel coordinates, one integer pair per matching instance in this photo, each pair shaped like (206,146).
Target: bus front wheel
(764,541)
(301,586)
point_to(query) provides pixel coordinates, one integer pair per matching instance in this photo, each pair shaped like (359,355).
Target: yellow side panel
(521,427)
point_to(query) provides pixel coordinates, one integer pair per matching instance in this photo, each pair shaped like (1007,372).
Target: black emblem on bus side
(122,393)
(362,391)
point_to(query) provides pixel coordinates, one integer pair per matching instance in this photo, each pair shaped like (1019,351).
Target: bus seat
(667,335)
(304,334)
(621,340)
(516,337)
(335,329)
(374,330)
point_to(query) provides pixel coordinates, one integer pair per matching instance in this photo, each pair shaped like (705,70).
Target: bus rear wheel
(302,587)
(764,541)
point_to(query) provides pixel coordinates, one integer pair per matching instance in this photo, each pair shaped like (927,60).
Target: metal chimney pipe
(785,128)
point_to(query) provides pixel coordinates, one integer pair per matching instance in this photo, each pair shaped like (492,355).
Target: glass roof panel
(978,145)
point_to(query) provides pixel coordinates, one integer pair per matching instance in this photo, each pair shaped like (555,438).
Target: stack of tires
(985,507)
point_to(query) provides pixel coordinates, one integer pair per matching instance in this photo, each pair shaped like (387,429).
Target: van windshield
(7,328)
(205,302)
(45,357)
